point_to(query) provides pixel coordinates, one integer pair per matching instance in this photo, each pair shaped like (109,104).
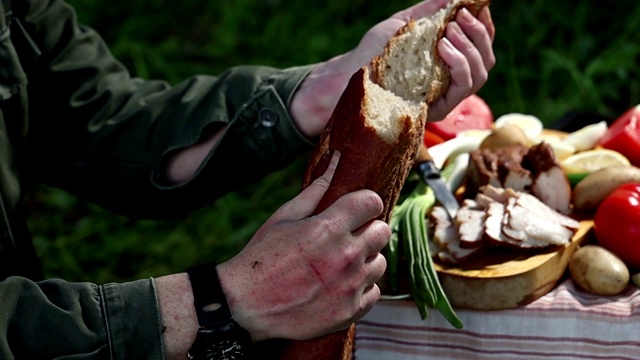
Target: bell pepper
(623,135)
(617,224)
(431,139)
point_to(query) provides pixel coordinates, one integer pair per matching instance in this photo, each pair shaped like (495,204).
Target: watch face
(227,350)
(232,344)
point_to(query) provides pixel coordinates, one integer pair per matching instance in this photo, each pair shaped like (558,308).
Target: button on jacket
(72,117)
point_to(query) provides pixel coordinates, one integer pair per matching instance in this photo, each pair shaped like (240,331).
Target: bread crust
(366,160)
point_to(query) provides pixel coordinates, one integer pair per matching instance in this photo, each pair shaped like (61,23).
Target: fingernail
(466,15)
(334,160)
(446,43)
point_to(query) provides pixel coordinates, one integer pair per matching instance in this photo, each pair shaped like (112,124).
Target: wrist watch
(219,337)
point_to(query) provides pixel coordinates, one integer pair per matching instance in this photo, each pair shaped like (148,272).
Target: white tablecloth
(567,323)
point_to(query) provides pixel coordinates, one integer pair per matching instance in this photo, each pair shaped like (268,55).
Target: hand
(302,275)
(466,48)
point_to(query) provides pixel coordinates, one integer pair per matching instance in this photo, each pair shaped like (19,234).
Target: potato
(590,192)
(504,136)
(598,271)
(636,280)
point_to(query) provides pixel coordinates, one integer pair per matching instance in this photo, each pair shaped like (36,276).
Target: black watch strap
(208,294)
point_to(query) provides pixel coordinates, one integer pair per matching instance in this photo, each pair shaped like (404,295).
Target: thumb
(307,201)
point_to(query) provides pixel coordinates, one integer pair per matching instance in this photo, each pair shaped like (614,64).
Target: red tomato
(617,224)
(623,135)
(471,113)
(431,139)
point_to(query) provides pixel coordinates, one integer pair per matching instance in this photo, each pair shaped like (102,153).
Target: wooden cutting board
(504,280)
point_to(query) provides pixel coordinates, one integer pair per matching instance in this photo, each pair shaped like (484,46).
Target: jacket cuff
(265,124)
(260,138)
(132,318)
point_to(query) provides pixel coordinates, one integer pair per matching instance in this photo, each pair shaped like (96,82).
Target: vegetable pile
(600,161)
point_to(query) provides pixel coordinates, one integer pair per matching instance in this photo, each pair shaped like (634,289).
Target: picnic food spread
(521,221)
(517,214)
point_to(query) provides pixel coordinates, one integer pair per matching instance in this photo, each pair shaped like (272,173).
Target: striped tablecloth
(567,323)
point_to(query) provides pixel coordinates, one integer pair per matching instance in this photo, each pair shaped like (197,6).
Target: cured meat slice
(446,236)
(500,167)
(531,229)
(536,206)
(550,184)
(470,221)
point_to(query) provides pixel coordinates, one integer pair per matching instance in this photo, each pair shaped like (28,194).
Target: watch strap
(209,300)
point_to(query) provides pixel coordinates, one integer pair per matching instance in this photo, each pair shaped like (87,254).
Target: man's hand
(302,275)
(466,48)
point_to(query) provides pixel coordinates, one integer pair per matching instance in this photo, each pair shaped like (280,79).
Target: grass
(553,58)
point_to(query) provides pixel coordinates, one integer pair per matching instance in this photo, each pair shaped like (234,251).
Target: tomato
(617,224)
(431,139)
(623,135)
(471,113)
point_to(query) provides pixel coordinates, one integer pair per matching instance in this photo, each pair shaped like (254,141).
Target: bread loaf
(376,132)
(377,126)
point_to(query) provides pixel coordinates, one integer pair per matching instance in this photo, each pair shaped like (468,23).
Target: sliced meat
(553,188)
(532,229)
(445,235)
(498,194)
(483,200)
(443,228)
(470,222)
(500,167)
(541,209)
(482,170)
(510,170)
(493,226)
(550,184)
(454,254)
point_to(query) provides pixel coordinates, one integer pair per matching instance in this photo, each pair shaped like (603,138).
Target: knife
(430,174)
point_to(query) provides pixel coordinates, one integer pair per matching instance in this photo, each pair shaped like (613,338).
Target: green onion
(409,228)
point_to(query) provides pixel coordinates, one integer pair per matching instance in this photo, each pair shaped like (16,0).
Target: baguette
(377,126)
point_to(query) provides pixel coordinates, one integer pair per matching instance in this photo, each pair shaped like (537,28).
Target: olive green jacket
(71,116)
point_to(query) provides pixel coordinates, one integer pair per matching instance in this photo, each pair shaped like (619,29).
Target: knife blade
(430,174)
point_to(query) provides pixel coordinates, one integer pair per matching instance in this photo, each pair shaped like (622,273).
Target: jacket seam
(105,316)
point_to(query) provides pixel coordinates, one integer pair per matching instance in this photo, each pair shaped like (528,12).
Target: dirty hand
(302,275)
(466,48)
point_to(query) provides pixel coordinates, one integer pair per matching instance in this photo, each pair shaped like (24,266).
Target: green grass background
(553,57)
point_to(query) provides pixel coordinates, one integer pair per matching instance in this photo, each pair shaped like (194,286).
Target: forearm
(175,299)
(182,165)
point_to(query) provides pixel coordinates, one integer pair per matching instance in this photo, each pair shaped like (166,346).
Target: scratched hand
(302,276)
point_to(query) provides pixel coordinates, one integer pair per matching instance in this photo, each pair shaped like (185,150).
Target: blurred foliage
(552,58)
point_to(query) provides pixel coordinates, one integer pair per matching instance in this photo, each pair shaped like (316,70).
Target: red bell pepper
(431,139)
(623,135)
(617,224)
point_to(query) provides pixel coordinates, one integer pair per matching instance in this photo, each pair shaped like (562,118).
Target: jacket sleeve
(56,319)
(102,135)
